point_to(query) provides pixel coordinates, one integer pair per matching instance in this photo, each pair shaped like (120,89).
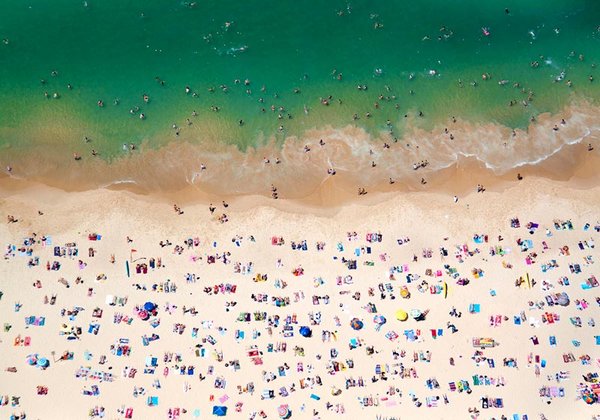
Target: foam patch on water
(302,163)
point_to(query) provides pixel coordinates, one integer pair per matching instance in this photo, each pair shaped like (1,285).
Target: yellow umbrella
(401,315)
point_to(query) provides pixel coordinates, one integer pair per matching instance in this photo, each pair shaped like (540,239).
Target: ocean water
(238,58)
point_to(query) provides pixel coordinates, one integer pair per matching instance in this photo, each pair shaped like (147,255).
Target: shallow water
(113,50)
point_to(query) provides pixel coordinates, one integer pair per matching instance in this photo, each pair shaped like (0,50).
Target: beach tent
(305,332)
(220,410)
(401,315)
(356,324)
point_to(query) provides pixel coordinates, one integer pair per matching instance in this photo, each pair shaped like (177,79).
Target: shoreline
(575,168)
(335,195)
(556,149)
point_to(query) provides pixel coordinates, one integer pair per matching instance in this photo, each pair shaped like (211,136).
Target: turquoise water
(116,49)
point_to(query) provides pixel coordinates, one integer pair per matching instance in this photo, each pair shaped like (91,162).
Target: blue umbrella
(356,324)
(219,410)
(149,306)
(43,362)
(305,332)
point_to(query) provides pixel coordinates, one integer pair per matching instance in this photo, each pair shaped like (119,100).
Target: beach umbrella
(43,362)
(589,398)
(284,411)
(149,306)
(32,359)
(144,315)
(219,410)
(356,324)
(305,332)
(401,315)
(563,299)
(379,319)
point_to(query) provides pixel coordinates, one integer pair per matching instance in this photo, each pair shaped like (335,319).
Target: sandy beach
(305,210)
(235,316)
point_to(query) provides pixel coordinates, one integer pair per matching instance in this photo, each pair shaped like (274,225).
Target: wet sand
(175,168)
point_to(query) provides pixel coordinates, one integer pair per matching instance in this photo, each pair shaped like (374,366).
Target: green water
(113,49)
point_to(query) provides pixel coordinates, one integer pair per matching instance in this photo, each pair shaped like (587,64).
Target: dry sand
(429,219)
